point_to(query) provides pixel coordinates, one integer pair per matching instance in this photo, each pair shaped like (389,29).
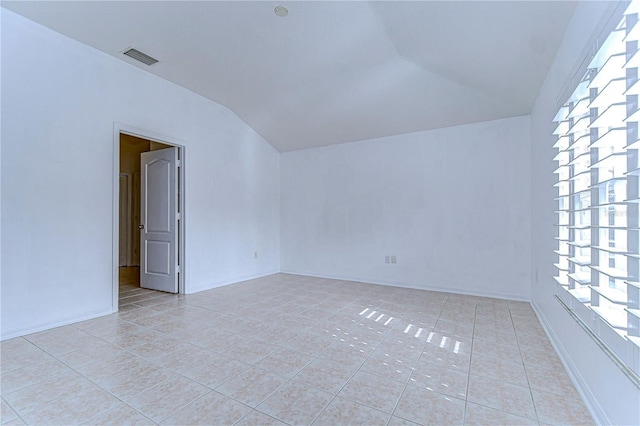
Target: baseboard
(232,281)
(49,326)
(404,285)
(590,401)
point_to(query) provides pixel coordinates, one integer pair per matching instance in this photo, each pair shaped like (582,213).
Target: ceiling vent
(139,56)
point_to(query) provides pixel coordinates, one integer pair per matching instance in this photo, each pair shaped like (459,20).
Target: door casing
(118,129)
(124,216)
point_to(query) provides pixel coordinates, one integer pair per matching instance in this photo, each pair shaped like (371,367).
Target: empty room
(320,213)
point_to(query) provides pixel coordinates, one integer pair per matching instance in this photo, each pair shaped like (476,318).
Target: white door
(159,224)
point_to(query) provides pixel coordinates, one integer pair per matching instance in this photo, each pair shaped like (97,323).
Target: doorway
(129,259)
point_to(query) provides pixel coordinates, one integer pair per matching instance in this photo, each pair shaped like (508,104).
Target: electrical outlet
(386,259)
(393,259)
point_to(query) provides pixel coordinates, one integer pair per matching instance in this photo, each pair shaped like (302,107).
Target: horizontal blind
(598,256)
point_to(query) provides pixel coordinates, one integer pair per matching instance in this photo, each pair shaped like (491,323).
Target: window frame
(571,222)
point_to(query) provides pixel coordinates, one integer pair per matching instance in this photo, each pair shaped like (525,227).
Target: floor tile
(548,380)
(135,380)
(160,401)
(363,336)
(329,329)
(121,414)
(499,369)
(310,343)
(278,335)
(390,354)
(72,407)
(157,347)
(113,363)
(490,348)
(211,408)
(95,352)
(15,379)
(404,344)
(251,386)
(6,413)
(498,336)
(373,391)
(388,365)
(478,415)
(544,359)
(285,362)
(14,422)
(347,353)
(398,421)
(456,328)
(107,326)
(426,407)
(501,396)
(326,375)
(248,350)
(61,340)
(344,412)
(255,418)
(555,409)
(440,379)
(39,395)
(19,352)
(295,403)
(447,359)
(206,367)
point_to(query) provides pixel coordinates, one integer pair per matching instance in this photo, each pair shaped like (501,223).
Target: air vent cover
(139,56)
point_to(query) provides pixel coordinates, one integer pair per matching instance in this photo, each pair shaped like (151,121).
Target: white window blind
(598,254)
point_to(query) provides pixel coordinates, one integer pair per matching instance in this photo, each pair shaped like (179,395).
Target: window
(598,194)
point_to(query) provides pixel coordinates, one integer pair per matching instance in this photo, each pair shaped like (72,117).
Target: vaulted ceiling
(332,72)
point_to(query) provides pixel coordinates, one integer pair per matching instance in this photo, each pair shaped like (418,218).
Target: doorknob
(140,226)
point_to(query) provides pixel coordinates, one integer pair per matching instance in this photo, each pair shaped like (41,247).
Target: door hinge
(179,163)
(179,216)
(178,269)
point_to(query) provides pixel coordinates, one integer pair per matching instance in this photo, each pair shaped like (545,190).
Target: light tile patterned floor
(292,350)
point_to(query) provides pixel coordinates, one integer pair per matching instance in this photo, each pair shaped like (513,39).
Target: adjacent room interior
(131,258)
(385,213)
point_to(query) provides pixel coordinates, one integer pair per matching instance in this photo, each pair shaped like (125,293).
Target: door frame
(118,129)
(128,218)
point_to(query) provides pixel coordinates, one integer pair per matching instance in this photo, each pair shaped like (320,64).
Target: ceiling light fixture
(281,11)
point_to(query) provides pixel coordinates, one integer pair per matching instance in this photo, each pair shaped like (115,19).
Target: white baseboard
(49,326)
(590,401)
(232,281)
(404,285)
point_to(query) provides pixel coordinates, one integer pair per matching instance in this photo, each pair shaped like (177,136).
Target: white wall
(60,100)
(451,204)
(612,398)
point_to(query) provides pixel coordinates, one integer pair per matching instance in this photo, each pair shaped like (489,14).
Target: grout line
(533,402)
(14,410)
(466,394)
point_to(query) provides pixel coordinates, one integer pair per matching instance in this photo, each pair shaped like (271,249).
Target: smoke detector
(281,11)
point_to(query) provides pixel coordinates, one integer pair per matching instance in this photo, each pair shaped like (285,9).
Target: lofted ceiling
(332,72)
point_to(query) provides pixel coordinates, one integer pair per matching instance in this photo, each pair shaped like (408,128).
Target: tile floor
(294,350)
